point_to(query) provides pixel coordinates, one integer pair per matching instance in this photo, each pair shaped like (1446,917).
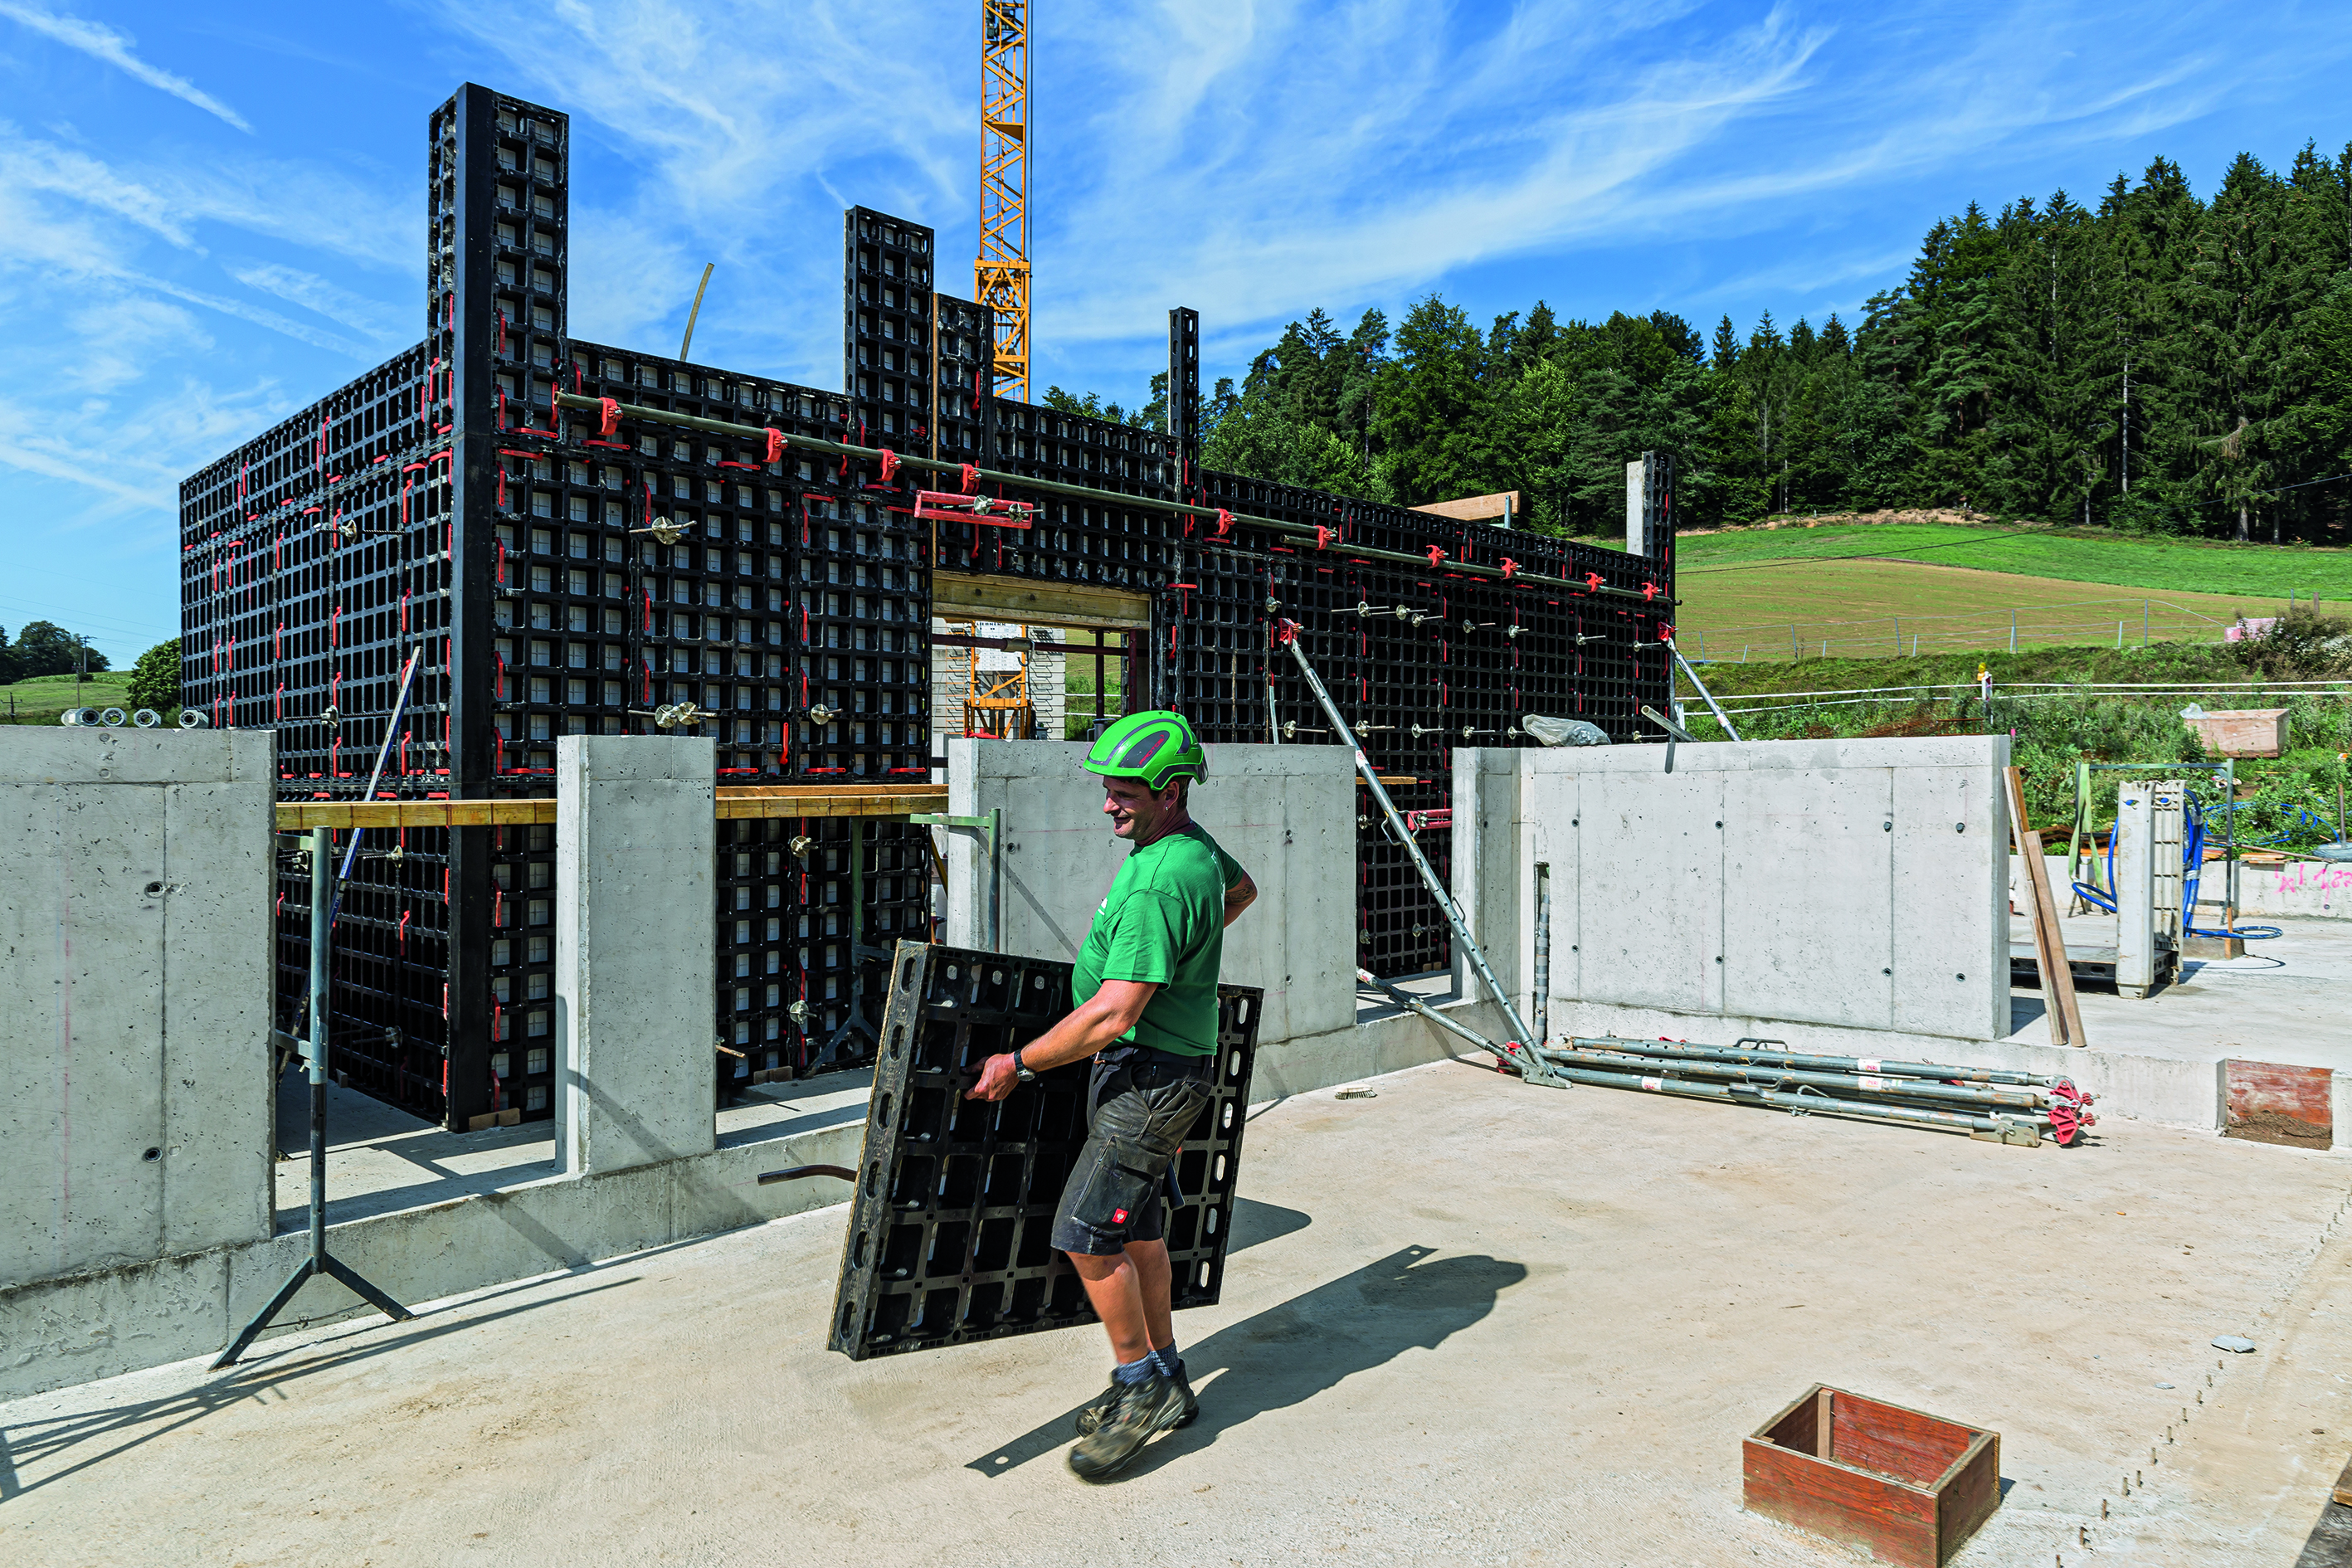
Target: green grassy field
(2073,556)
(40,700)
(2291,801)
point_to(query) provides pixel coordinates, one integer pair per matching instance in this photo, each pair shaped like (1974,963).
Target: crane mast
(1000,274)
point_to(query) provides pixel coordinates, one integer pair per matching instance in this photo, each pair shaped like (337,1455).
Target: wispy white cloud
(380,321)
(103,43)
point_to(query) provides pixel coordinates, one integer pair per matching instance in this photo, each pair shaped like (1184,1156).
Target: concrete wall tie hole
(153,1155)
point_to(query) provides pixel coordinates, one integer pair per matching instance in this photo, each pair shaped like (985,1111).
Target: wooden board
(734,800)
(1905,1486)
(956,595)
(294,816)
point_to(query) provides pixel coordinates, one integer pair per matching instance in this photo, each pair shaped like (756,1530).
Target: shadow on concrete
(2329,1544)
(271,1368)
(2024,1011)
(1287,1354)
(1256,1224)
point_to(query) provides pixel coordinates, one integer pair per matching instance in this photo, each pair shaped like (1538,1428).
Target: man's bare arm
(1091,1027)
(1239,897)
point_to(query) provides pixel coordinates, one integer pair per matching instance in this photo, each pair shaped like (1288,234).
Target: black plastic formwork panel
(950,1233)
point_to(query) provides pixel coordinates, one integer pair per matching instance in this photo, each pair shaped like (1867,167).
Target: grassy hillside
(40,700)
(1881,590)
(2293,798)
(2064,554)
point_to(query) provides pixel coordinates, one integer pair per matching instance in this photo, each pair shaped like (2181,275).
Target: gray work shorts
(1139,1105)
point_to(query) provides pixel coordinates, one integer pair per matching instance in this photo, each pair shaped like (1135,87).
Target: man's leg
(1153,1278)
(1119,1293)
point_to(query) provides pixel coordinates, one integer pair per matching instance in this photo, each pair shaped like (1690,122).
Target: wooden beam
(831,800)
(957,595)
(296,815)
(734,800)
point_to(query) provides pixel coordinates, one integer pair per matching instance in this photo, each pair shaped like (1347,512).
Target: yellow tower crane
(1000,278)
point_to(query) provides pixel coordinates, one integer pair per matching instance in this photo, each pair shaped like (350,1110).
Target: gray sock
(1170,1364)
(1134,1372)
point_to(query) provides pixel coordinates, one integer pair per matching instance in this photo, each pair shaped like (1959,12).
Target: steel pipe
(1084,492)
(2025,1100)
(1684,1050)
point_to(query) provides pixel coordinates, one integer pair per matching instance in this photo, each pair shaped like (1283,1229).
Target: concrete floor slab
(379,1159)
(2285,1001)
(1468,1322)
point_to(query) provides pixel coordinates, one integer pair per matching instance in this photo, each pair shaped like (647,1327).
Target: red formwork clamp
(1650,590)
(1224,525)
(608,416)
(1509,566)
(1593,579)
(1284,633)
(889,464)
(1436,556)
(2070,1112)
(775,445)
(970,479)
(1324,536)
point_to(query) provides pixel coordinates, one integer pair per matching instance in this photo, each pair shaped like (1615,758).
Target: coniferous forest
(2158,364)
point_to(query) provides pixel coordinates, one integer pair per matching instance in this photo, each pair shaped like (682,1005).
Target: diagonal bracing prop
(1521,1051)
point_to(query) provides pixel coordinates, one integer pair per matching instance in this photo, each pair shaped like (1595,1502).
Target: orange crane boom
(999,277)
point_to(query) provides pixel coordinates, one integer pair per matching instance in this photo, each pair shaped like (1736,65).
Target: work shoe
(1091,1416)
(1137,1413)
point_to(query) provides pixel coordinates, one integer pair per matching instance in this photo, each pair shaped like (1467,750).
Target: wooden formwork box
(1905,1486)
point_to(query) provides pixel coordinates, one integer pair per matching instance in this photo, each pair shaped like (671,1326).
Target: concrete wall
(136,886)
(1286,813)
(634,946)
(1853,884)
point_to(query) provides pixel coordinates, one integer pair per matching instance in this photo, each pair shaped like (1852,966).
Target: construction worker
(1145,1008)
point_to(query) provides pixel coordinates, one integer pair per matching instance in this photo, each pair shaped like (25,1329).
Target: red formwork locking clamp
(608,416)
(970,479)
(2070,1112)
(776,446)
(1224,525)
(1324,536)
(1284,633)
(889,464)
(1593,579)
(1436,556)
(1509,566)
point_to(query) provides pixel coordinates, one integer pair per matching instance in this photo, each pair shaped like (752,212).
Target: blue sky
(213,216)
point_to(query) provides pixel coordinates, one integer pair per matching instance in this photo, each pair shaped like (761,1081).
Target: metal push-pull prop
(1521,1053)
(320,1262)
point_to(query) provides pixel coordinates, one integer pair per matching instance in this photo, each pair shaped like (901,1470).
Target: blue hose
(2192,858)
(2193,862)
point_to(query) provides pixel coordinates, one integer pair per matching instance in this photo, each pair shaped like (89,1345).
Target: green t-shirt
(1164,924)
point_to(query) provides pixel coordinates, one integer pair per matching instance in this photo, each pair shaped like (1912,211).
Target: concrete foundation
(1460,1269)
(136,887)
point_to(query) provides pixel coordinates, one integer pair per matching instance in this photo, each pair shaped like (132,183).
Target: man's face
(1134,811)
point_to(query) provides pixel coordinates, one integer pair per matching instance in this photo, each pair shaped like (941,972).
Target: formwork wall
(557,572)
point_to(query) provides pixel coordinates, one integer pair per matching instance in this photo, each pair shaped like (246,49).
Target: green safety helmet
(1157,747)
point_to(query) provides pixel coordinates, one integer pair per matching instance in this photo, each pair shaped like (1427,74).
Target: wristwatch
(1022,1072)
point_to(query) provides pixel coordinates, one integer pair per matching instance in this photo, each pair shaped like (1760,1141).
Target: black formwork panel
(566,574)
(950,1236)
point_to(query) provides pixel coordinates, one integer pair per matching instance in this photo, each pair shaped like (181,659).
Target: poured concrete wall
(1852,884)
(1286,813)
(635,945)
(136,883)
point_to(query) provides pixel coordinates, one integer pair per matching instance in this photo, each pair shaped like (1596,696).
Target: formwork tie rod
(1319,536)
